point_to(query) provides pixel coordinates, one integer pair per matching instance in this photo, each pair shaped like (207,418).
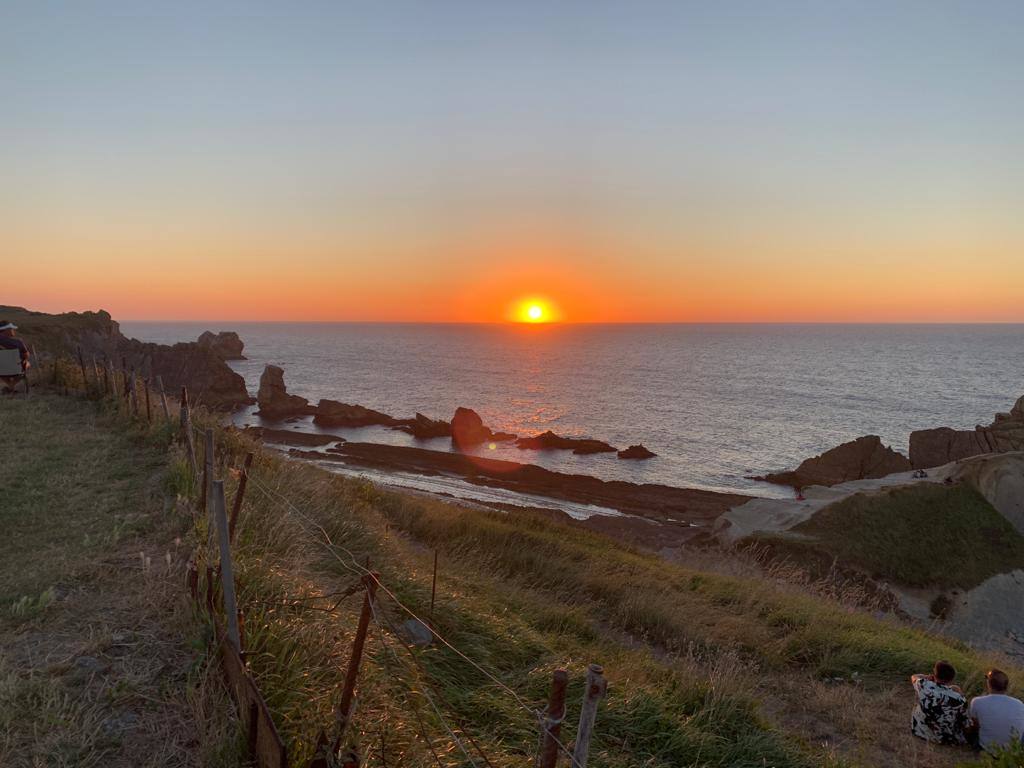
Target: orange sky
(689,162)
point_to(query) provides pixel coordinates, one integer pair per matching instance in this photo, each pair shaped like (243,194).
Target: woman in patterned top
(941,712)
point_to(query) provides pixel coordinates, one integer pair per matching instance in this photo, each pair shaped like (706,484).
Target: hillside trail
(100,662)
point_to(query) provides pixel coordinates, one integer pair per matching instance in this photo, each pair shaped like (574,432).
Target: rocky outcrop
(331,413)
(858,459)
(208,378)
(468,430)
(548,441)
(424,428)
(293,437)
(935,447)
(274,400)
(226,344)
(1000,479)
(637,452)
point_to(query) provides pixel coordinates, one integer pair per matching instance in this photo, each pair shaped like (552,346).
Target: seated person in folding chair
(8,341)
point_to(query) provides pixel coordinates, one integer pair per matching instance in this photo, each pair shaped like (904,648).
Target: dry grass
(98,660)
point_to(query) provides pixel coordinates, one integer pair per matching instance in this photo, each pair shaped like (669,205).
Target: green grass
(925,535)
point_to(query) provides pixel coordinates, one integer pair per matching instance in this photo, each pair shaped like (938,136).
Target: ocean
(717,403)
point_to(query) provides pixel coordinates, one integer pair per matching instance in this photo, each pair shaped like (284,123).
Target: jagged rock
(637,452)
(208,378)
(856,460)
(331,413)
(546,441)
(935,447)
(423,428)
(273,397)
(468,430)
(226,344)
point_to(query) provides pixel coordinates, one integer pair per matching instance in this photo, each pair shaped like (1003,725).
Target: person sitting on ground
(9,341)
(997,718)
(941,712)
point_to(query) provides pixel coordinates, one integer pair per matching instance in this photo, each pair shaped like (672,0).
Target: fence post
(163,397)
(433,587)
(207,469)
(133,394)
(109,368)
(227,573)
(596,688)
(551,724)
(343,712)
(85,379)
(239,496)
(149,413)
(186,433)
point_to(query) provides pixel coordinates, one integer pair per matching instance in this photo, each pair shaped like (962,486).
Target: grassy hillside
(704,669)
(924,535)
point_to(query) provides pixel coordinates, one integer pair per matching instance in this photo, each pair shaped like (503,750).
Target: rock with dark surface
(273,398)
(637,452)
(469,431)
(331,413)
(293,437)
(226,344)
(935,447)
(209,380)
(858,459)
(424,428)
(548,441)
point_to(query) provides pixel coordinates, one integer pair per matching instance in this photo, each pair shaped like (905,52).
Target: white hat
(6,326)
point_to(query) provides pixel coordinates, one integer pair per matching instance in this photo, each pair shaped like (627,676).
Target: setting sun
(535,310)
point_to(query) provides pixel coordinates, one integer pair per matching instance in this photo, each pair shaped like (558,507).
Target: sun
(534,310)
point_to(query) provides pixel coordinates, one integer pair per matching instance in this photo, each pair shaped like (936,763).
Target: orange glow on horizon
(535,311)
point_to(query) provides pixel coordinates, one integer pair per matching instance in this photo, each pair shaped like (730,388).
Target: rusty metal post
(163,397)
(343,712)
(227,571)
(239,496)
(551,724)
(595,691)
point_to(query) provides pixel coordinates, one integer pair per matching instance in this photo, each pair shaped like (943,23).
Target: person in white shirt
(998,718)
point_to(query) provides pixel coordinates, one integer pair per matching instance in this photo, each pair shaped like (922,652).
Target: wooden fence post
(596,688)
(227,573)
(239,496)
(133,394)
(186,432)
(343,712)
(551,724)
(163,397)
(81,364)
(207,469)
(149,413)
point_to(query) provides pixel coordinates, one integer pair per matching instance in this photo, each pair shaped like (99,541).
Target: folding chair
(10,367)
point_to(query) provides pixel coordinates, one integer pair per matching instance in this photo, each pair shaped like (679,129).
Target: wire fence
(129,392)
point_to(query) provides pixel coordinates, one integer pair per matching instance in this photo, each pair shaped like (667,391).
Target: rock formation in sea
(274,400)
(423,428)
(547,441)
(637,452)
(226,344)
(209,379)
(934,447)
(468,430)
(858,459)
(331,413)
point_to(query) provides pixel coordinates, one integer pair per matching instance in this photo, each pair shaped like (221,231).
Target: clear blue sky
(652,145)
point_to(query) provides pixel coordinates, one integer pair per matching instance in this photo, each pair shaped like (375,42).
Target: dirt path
(101,663)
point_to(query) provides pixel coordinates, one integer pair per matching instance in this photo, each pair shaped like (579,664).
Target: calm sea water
(716,402)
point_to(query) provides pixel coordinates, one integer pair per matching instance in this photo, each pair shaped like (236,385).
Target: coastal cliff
(198,366)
